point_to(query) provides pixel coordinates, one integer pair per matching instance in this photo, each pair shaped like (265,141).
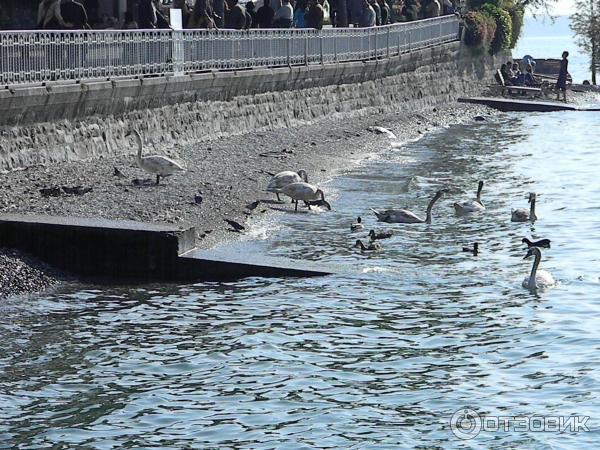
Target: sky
(564,7)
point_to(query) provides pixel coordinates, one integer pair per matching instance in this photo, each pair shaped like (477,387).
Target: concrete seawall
(54,123)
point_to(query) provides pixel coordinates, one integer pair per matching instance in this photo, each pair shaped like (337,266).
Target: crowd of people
(71,14)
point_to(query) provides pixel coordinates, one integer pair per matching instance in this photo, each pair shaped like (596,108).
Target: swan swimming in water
(405,216)
(282,179)
(522,215)
(305,192)
(471,206)
(161,166)
(538,279)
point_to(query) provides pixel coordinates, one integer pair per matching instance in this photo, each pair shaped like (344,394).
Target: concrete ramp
(509,104)
(120,250)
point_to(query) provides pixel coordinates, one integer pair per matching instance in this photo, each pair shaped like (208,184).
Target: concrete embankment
(55,123)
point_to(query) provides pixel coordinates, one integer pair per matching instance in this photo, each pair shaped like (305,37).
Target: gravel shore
(21,274)
(223,176)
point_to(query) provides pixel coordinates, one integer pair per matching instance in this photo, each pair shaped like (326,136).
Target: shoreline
(215,187)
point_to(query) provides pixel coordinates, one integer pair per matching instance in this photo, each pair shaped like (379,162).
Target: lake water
(379,357)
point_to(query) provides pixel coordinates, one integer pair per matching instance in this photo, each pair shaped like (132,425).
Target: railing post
(178,53)
(289,51)
(388,42)
(335,58)
(321,45)
(306,48)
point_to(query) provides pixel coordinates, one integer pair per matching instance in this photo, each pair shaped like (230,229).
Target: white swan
(404,216)
(305,192)
(471,206)
(522,215)
(538,279)
(161,166)
(284,178)
(381,130)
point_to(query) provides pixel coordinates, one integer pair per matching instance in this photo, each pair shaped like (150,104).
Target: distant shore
(223,177)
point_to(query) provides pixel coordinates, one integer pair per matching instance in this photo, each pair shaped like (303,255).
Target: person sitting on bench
(530,79)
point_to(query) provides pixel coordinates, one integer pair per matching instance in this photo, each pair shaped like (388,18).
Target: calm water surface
(380,357)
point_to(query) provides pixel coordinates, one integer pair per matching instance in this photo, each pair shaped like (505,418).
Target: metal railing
(39,56)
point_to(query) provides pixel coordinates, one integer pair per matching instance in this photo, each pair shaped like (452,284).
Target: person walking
(561,83)
(49,15)
(314,16)
(202,16)
(75,15)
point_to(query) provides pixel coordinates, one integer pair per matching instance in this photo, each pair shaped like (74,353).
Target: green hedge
(503,36)
(480,29)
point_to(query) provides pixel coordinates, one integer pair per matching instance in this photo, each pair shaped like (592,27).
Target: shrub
(477,4)
(480,29)
(503,36)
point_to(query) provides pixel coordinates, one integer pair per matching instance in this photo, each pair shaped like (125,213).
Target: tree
(586,25)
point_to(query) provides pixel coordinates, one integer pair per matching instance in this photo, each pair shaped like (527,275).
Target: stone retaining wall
(54,123)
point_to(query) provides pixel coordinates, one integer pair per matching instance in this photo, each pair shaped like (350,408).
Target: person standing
(561,83)
(202,15)
(299,11)
(147,14)
(367,17)
(314,16)
(264,15)
(235,16)
(284,16)
(252,13)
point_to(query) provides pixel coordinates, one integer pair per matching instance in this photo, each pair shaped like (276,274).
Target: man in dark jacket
(314,16)
(235,16)
(264,15)
(74,14)
(147,15)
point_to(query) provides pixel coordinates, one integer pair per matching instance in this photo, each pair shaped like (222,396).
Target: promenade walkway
(35,57)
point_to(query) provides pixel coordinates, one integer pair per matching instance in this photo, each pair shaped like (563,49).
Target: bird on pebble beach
(235,226)
(159,165)
(282,179)
(305,192)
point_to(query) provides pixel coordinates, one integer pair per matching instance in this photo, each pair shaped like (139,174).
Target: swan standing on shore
(522,215)
(305,192)
(404,216)
(161,166)
(471,206)
(282,179)
(538,279)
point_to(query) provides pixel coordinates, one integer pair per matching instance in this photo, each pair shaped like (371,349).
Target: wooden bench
(513,90)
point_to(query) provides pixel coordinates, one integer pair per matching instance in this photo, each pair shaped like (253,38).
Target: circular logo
(465,423)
